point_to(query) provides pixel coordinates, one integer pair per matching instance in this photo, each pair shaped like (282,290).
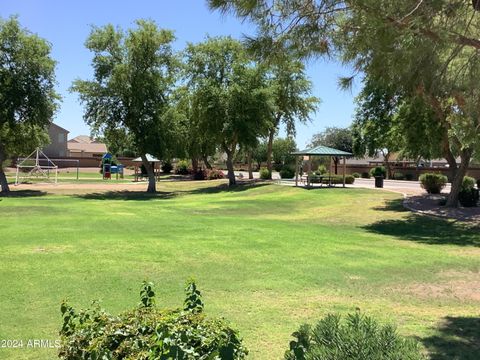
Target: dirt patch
(430,205)
(453,285)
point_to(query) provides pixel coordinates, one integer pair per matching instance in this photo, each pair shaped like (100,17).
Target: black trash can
(379,181)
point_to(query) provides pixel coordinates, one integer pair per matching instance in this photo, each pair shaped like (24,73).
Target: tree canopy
(28,99)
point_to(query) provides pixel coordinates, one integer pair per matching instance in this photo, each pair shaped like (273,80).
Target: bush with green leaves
(287,173)
(215,174)
(478,184)
(409,176)
(147,332)
(366,175)
(264,174)
(182,167)
(468,183)
(356,175)
(321,170)
(398,176)
(355,337)
(378,171)
(468,195)
(167,167)
(433,183)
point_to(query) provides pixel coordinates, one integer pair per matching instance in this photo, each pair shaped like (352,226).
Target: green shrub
(321,170)
(468,183)
(433,183)
(356,337)
(349,179)
(409,176)
(468,197)
(356,175)
(378,171)
(366,175)
(287,173)
(167,167)
(265,174)
(182,167)
(478,183)
(215,174)
(399,176)
(146,332)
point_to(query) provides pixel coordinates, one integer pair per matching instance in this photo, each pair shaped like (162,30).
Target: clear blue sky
(66,25)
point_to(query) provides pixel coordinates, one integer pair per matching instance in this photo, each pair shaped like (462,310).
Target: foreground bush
(356,337)
(287,173)
(265,174)
(366,175)
(148,333)
(356,175)
(433,183)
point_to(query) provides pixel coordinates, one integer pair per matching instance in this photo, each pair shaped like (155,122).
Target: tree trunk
(271,135)
(207,164)
(249,163)
(386,157)
(231,172)
(452,163)
(194,164)
(152,182)
(452,200)
(4,188)
(335,163)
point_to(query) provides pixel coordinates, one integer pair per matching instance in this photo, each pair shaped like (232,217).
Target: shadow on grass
(126,195)
(457,338)
(142,195)
(22,193)
(392,205)
(427,230)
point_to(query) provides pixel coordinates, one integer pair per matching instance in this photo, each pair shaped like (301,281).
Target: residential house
(58,142)
(85,147)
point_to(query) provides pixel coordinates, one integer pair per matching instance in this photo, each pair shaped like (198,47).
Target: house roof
(84,139)
(323,151)
(87,147)
(150,158)
(59,127)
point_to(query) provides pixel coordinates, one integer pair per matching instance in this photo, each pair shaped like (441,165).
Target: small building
(58,142)
(84,146)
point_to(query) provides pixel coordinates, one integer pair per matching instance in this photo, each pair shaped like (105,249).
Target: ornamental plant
(147,332)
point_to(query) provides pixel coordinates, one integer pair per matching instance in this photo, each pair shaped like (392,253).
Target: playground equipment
(32,164)
(108,168)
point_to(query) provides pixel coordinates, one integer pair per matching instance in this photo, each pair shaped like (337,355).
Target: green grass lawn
(267,258)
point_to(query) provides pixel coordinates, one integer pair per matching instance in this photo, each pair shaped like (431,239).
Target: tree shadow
(239,187)
(457,338)
(126,195)
(23,193)
(428,230)
(392,205)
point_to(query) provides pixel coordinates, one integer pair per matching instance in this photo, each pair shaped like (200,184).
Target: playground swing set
(33,168)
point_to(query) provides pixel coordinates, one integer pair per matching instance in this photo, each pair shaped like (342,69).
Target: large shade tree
(292,98)
(421,48)
(27,96)
(132,82)
(231,100)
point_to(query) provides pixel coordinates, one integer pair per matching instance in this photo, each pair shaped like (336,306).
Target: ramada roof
(323,151)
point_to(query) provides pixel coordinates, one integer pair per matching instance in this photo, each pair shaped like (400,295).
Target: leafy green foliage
(282,152)
(167,167)
(182,167)
(148,333)
(193,301)
(334,137)
(28,99)
(433,183)
(378,171)
(287,173)
(468,195)
(468,183)
(265,174)
(356,175)
(355,337)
